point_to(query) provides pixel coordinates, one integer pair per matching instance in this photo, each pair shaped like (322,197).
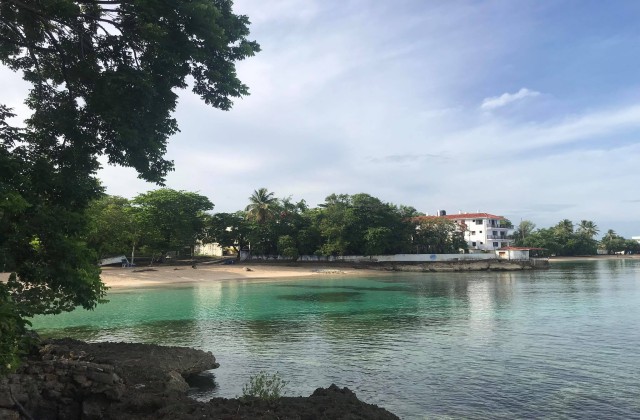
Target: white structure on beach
(636,238)
(208,250)
(482,231)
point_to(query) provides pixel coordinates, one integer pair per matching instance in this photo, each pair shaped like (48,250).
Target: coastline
(165,276)
(120,278)
(594,258)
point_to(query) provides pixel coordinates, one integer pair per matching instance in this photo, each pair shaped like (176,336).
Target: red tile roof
(466,216)
(473,216)
(520,248)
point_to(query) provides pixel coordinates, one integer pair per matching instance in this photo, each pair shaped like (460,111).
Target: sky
(528,109)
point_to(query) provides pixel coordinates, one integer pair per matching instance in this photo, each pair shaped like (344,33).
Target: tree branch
(63,56)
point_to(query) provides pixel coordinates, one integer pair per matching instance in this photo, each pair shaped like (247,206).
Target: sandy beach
(116,277)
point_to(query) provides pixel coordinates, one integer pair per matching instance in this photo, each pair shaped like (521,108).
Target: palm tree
(564,227)
(525,228)
(262,205)
(588,228)
(611,241)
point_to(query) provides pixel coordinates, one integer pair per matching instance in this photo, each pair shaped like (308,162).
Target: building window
(481,243)
(480,231)
(495,245)
(473,244)
(495,233)
(478,221)
(473,232)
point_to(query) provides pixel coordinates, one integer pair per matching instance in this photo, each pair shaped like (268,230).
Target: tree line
(165,220)
(567,239)
(158,222)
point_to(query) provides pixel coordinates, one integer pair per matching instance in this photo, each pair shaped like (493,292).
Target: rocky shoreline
(70,379)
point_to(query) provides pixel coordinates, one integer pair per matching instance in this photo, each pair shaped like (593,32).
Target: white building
(636,238)
(482,231)
(208,250)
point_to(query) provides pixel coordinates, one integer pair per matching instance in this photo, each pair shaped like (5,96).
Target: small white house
(516,253)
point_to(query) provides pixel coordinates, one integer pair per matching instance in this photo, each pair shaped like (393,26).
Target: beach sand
(116,277)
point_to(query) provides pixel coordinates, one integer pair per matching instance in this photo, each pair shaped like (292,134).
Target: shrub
(264,387)
(13,341)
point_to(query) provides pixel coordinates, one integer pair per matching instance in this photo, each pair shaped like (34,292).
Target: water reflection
(395,288)
(323,297)
(561,342)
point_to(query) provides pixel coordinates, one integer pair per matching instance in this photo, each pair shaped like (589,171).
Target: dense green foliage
(104,77)
(111,228)
(436,235)
(170,220)
(612,243)
(167,220)
(12,329)
(362,224)
(156,222)
(564,239)
(229,230)
(105,74)
(358,224)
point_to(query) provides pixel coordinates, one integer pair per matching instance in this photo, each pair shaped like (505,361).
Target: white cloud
(507,98)
(378,97)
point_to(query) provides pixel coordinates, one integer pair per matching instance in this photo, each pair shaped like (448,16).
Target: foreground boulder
(70,379)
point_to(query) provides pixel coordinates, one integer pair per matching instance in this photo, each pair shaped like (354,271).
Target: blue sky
(527,109)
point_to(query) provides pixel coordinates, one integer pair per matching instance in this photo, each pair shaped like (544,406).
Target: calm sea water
(559,343)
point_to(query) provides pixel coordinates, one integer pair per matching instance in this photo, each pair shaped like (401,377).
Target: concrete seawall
(457,266)
(438,266)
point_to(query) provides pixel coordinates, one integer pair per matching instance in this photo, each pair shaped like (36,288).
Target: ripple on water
(559,343)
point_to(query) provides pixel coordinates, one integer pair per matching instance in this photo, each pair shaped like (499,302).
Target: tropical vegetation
(104,77)
(567,239)
(162,221)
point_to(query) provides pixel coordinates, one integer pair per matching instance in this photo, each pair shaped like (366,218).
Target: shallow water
(558,343)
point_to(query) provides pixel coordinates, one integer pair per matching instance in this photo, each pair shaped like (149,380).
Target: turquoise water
(558,343)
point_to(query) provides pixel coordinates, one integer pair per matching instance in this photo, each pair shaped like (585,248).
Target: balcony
(498,237)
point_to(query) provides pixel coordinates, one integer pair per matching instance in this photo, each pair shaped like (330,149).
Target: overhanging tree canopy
(103,75)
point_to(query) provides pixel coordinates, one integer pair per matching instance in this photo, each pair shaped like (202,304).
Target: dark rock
(103,377)
(175,383)
(6,414)
(135,381)
(94,407)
